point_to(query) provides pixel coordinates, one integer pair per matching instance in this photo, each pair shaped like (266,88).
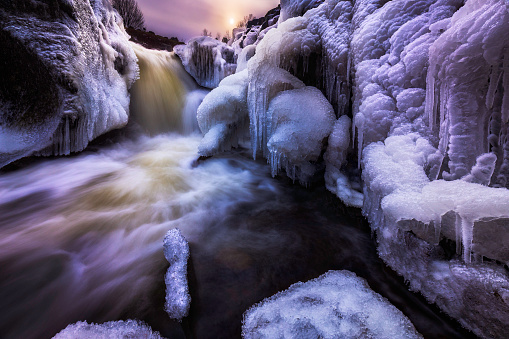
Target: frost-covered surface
(79,68)
(207,60)
(110,330)
(300,120)
(176,251)
(223,115)
(337,304)
(292,8)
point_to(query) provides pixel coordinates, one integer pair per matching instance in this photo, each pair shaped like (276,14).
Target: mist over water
(81,237)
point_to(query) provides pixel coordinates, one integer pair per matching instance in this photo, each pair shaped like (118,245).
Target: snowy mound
(66,73)
(176,251)
(110,330)
(337,304)
(207,60)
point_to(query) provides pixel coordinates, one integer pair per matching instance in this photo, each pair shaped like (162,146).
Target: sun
(232,21)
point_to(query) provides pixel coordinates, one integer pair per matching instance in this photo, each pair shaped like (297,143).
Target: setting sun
(232,21)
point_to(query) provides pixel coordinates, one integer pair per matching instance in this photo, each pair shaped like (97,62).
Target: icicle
(505,83)
(437,225)
(467,230)
(494,81)
(458,228)
(430,99)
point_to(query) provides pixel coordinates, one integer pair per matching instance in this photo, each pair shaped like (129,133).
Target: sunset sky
(187,18)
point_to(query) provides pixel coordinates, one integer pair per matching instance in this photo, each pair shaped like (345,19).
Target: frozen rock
(66,71)
(299,121)
(223,115)
(207,60)
(337,304)
(294,8)
(176,251)
(110,330)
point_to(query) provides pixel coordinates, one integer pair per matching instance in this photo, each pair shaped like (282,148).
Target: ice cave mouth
(28,96)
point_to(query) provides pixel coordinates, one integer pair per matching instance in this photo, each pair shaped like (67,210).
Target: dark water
(81,239)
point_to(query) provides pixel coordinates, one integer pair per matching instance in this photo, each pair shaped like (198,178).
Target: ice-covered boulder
(176,251)
(299,121)
(66,71)
(337,304)
(110,330)
(223,115)
(207,60)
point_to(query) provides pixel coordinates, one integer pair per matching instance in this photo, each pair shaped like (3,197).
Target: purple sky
(187,18)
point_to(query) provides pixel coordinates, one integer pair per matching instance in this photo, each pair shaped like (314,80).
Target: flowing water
(81,236)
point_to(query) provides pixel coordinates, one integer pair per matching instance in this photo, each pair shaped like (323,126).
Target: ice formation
(424,82)
(298,122)
(176,251)
(207,60)
(110,330)
(76,87)
(335,157)
(337,304)
(223,115)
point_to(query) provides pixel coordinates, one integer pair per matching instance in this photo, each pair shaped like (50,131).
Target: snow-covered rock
(176,251)
(110,330)
(66,71)
(337,304)
(207,60)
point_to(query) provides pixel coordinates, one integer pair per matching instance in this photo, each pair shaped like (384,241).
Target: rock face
(66,71)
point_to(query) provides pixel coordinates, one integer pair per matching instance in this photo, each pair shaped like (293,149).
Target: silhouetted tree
(206,32)
(130,13)
(243,22)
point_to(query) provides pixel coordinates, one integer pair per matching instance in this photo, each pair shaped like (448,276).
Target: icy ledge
(337,304)
(411,215)
(109,330)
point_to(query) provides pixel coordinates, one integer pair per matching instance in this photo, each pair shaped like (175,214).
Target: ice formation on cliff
(110,330)
(207,60)
(176,251)
(77,86)
(337,304)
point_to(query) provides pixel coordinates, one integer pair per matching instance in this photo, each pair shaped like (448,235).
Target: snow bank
(337,304)
(207,60)
(176,251)
(79,68)
(110,330)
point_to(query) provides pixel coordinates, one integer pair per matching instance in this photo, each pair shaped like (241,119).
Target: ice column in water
(337,304)
(176,251)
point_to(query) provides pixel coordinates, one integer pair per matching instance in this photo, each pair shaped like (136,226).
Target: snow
(337,304)
(91,63)
(176,251)
(207,60)
(109,330)
(295,8)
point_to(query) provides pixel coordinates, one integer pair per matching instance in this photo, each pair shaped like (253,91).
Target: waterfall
(165,97)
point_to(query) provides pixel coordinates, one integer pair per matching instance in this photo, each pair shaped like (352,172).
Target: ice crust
(110,330)
(92,67)
(337,304)
(207,60)
(176,251)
